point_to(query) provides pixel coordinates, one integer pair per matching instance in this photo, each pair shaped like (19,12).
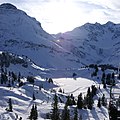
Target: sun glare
(62,16)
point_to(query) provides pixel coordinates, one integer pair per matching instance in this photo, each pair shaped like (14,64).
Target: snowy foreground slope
(22,97)
(22,103)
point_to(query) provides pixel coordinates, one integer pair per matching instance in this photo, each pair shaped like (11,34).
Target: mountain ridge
(95,38)
(22,34)
(8,6)
(90,43)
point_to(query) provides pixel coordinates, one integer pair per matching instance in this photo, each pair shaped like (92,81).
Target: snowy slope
(90,43)
(23,35)
(22,98)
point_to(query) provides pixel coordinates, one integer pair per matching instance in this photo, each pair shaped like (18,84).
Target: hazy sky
(63,15)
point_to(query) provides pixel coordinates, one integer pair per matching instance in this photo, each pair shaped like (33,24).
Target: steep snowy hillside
(93,43)
(90,43)
(23,35)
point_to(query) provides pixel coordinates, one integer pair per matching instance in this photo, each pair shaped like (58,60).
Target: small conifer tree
(80,101)
(55,111)
(66,113)
(10,105)
(75,114)
(99,103)
(33,113)
(34,97)
(103,100)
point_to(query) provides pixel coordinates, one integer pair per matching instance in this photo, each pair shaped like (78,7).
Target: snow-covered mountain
(23,35)
(90,43)
(93,43)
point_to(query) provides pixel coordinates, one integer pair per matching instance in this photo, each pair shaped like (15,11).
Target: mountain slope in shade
(23,35)
(93,43)
(90,43)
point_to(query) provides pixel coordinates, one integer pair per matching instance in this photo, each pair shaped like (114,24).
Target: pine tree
(55,111)
(90,101)
(85,101)
(66,113)
(113,79)
(99,103)
(70,100)
(31,79)
(103,100)
(80,101)
(113,112)
(19,76)
(60,90)
(96,68)
(94,90)
(88,92)
(113,75)
(111,91)
(113,82)
(104,84)
(20,118)
(102,69)
(50,80)
(10,105)
(73,101)
(14,76)
(1,80)
(108,79)
(75,114)
(34,97)
(4,78)
(33,113)
(103,78)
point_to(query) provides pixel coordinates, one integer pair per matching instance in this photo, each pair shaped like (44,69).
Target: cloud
(62,15)
(88,5)
(116,4)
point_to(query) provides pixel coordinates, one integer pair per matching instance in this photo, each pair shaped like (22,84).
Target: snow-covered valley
(22,97)
(44,91)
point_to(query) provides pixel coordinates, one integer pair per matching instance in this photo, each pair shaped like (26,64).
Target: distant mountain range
(93,43)
(90,43)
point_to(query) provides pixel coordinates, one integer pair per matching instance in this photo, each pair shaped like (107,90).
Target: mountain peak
(7,6)
(109,23)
